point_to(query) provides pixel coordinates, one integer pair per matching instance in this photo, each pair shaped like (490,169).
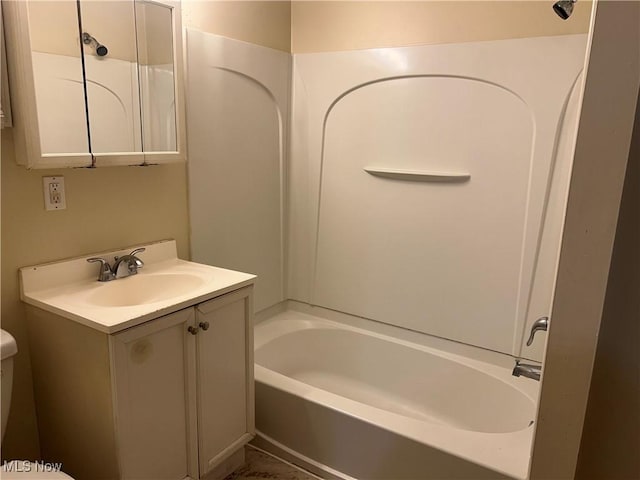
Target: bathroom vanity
(148,376)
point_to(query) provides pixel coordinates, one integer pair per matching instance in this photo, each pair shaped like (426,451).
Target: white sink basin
(143,289)
(166,284)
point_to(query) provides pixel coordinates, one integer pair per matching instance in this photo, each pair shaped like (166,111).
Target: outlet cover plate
(54,194)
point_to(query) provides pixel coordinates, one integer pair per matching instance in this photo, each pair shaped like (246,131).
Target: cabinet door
(153,369)
(224,376)
(47,89)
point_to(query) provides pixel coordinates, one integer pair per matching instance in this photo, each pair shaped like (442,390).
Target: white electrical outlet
(54,198)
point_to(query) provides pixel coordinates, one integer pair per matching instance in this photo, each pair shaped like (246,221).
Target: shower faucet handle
(540,324)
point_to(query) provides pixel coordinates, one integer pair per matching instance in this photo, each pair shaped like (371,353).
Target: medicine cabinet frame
(22,85)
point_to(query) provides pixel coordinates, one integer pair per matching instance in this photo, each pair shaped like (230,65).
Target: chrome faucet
(527,370)
(130,261)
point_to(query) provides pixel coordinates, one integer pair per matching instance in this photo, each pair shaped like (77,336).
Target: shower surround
(421,194)
(407,252)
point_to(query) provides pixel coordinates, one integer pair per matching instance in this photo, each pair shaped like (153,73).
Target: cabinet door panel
(225,377)
(113,100)
(153,382)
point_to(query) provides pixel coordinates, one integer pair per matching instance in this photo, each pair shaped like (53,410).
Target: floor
(260,466)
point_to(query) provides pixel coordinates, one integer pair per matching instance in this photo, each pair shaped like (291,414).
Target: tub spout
(527,370)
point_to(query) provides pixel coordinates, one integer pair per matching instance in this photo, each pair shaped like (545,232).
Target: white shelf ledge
(418,175)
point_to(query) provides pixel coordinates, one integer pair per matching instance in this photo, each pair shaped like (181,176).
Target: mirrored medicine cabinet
(95,82)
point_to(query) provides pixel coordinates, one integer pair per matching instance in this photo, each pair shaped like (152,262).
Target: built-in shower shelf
(418,175)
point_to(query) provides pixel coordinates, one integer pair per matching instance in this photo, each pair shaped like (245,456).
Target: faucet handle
(137,251)
(137,262)
(105,273)
(540,324)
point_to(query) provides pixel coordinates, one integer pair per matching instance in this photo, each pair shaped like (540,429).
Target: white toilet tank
(8,348)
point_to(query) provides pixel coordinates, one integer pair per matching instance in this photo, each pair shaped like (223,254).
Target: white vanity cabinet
(184,389)
(171,398)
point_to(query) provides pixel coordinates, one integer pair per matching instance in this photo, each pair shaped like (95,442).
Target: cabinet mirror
(104,78)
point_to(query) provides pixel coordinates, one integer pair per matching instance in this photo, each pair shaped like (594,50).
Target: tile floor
(260,466)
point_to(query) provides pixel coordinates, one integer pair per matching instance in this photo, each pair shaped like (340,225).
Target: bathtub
(346,402)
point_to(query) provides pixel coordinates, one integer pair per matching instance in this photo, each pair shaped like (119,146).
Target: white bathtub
(349,402)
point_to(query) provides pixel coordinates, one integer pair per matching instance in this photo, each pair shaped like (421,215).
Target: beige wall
(310,26)
(155,41)
(613,411)
(319,26)
(106,208)
(54,27)
(266,23)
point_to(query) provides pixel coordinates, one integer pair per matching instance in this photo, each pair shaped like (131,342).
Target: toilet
(19,469)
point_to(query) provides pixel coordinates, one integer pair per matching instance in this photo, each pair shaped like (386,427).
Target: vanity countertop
(166,284)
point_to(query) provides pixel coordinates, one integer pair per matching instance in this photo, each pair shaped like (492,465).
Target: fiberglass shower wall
(420,179)
(424,185)
(238,106)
